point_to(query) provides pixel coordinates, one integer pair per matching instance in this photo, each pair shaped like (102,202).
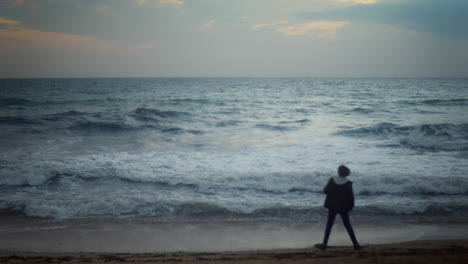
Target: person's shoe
(321,246)
(358,247)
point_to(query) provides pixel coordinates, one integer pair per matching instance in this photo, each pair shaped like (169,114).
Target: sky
(233,38)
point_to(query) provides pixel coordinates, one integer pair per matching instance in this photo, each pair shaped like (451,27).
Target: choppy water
(232,148)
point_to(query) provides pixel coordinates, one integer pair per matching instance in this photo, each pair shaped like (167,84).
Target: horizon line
(243,77)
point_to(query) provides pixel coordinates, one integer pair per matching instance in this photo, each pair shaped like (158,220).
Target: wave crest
(15,102)
(390,129)
(427,137)
(138,119)
(200,210)
(439,102)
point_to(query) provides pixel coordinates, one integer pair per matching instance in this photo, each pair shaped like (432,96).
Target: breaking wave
(427,137)
(140,118)
(439,102)
(390,130)
(134,173)
(198,210)
(15,102)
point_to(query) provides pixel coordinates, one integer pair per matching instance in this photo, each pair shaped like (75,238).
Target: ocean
(232,148)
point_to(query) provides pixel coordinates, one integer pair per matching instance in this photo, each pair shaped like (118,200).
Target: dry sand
(435,251)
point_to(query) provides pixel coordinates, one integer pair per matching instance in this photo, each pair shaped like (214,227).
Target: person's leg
(349,228)
(330,221)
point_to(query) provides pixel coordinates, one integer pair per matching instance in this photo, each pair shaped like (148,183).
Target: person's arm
(326,190)
(351,197)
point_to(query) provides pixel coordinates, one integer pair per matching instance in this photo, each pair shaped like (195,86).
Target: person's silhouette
(339,200)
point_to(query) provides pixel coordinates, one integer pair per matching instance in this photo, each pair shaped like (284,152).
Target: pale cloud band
(12,30)
(281,22)
(325,29)
(5,21)
(15,31)
(15,2)
(161,2)
(364,2)
(174,2)
(210,23)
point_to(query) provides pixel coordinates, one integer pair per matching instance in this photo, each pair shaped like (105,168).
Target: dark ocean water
(232,148)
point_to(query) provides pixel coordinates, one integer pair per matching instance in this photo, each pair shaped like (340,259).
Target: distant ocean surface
(219,148)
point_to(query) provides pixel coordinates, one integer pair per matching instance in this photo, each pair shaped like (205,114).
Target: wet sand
(434,251)
(139,235)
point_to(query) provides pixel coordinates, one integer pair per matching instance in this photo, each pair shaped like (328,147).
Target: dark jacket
(340,198)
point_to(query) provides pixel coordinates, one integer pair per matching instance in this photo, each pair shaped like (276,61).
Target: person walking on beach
(339,200)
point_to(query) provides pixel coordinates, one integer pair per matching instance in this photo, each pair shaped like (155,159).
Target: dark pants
(346,223)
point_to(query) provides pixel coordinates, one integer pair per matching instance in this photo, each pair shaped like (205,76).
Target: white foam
(91,185)
(25,175)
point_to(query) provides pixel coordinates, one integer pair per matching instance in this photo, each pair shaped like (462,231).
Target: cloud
(15,2)
(42,38)
(364,2)
(256,26)
(324,29)
(210,23)
(9,22)
(14,31)
(448,17)
(174,2)
(103,10)
(30,3)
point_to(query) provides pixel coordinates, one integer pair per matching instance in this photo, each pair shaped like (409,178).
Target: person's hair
(343,171)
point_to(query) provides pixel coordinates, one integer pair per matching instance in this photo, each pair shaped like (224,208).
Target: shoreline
(421,251)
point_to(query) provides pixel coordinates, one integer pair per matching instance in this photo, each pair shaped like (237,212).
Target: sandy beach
(435,251)
(27,240)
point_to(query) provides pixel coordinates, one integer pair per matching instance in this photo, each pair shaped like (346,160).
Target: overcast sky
(233,38)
